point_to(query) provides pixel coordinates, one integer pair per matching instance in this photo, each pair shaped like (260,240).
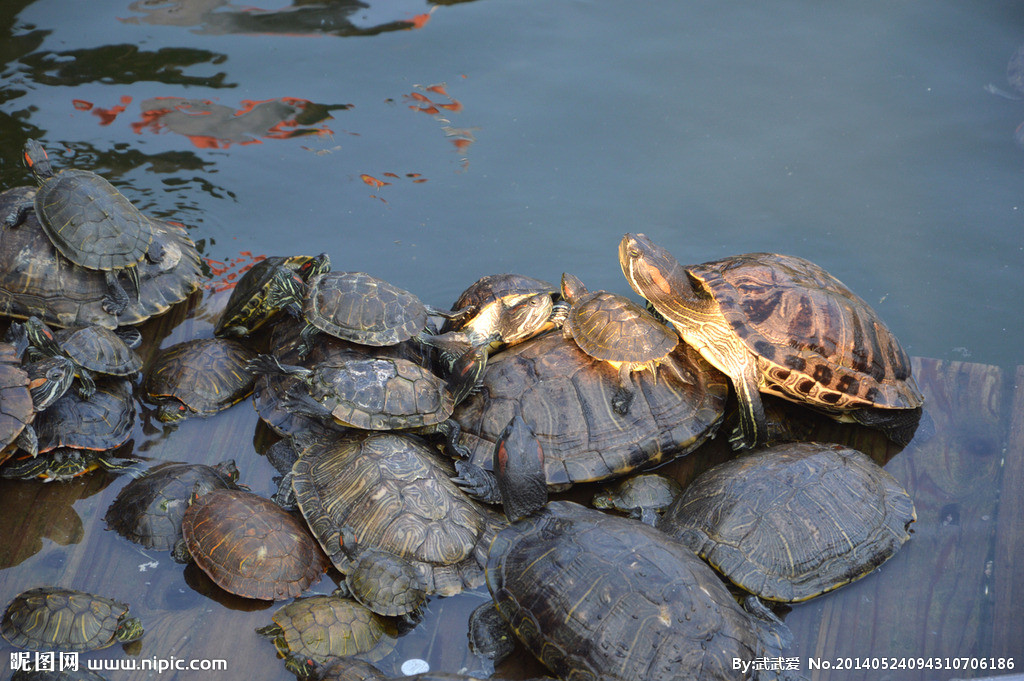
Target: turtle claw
(476,482)
(621,401)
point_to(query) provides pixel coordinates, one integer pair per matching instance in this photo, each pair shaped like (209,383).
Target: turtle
(389,493)
(89,222)
(199,377)
(643,496)
(54,618)
(148,510)
(63,464)
(616,330)
(316,630)
(790,522)
(36,280)
(782,325)
(565,396)
(250,546)
(354,306)
(16,405)
(91,349)
(349,669)
(598,596)
(247,308)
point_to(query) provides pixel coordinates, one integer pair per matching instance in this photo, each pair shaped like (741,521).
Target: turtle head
(519,468)
(172,411)
(40,336)
(228,469)
(49,379)
(572,288)
(651,270)
(321,264)
(37,161)
(526,318)
(129,629)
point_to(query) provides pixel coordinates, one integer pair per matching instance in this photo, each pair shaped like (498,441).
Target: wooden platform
(954,591)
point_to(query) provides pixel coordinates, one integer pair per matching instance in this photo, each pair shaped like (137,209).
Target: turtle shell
(149,509)
(350,669)
(394,493)
(90,222)
(793,521)
(322,628)
(51,618)
(98,349)
(35,280)
(814,338)
(596,596)
(359,307)
(246,309)
(103,421)
(200,376)
(643,495)
(250,546)
(16,410)
(490,289)
(565,396)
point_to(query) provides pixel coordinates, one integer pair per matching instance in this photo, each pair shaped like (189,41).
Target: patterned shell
(250,546)
(246,309)
(565,396)
(614,328)
(361,308)
(810,333)
(740,516)
(394,493)
(103,421)
(16,409)
(35,280)
(494,287)
(323,628)
(99,349)
(605,598)
(50,618)
(149,509)
(206,375)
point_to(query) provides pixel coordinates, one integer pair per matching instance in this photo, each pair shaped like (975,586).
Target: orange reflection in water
(106,116)
(435,101)
(224,275)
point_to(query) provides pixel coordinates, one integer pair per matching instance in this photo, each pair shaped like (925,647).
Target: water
(430,144)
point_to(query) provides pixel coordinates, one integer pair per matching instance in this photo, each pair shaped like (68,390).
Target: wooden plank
(928,600)
(1008,569)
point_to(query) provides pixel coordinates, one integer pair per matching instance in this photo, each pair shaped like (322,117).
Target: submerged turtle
(391,494)
(149,509)
(601,597)
(247,309)
(616,330)
(52,618)
(565,396)
(316,630)
(783,325)
(35,280)
(790,522)
(250,546)
(643,496)
(89,222)
(199,377)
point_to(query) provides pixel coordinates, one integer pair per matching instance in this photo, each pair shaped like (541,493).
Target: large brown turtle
(782,325)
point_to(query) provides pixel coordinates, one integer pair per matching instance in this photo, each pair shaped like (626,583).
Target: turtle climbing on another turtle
(782,325)
(89,222)
(54,618)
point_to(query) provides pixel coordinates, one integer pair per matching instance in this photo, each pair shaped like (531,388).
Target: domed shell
(396,495)
(565,396)
(99,349)
(250,546)
(52,618)
(100,422)
(359,307)
(201,376)
(793,521)
(596,596)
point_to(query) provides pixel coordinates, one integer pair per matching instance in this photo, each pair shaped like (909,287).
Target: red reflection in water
(224,275)
(430,100)
(106,116)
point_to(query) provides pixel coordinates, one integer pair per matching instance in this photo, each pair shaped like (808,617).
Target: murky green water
(430,144)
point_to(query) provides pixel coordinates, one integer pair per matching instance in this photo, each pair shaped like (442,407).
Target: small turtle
(597,596)
(35,280)
(199,378)
(91,349)
(247,308)
(250,546)
(391,493)
(783,325)
(149,509)
(793,521)
(89,222)
(643,496)
(315,630)
(52,618)
(616,330)
(16,406)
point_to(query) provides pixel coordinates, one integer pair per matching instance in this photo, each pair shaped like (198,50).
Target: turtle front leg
(624,394)
(86,383)
(753,429)
(476,482)
(116,300)
(18,214)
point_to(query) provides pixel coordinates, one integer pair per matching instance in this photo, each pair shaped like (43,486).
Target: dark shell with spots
(793,521)
(565,396)
(813,337)
(604,598)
